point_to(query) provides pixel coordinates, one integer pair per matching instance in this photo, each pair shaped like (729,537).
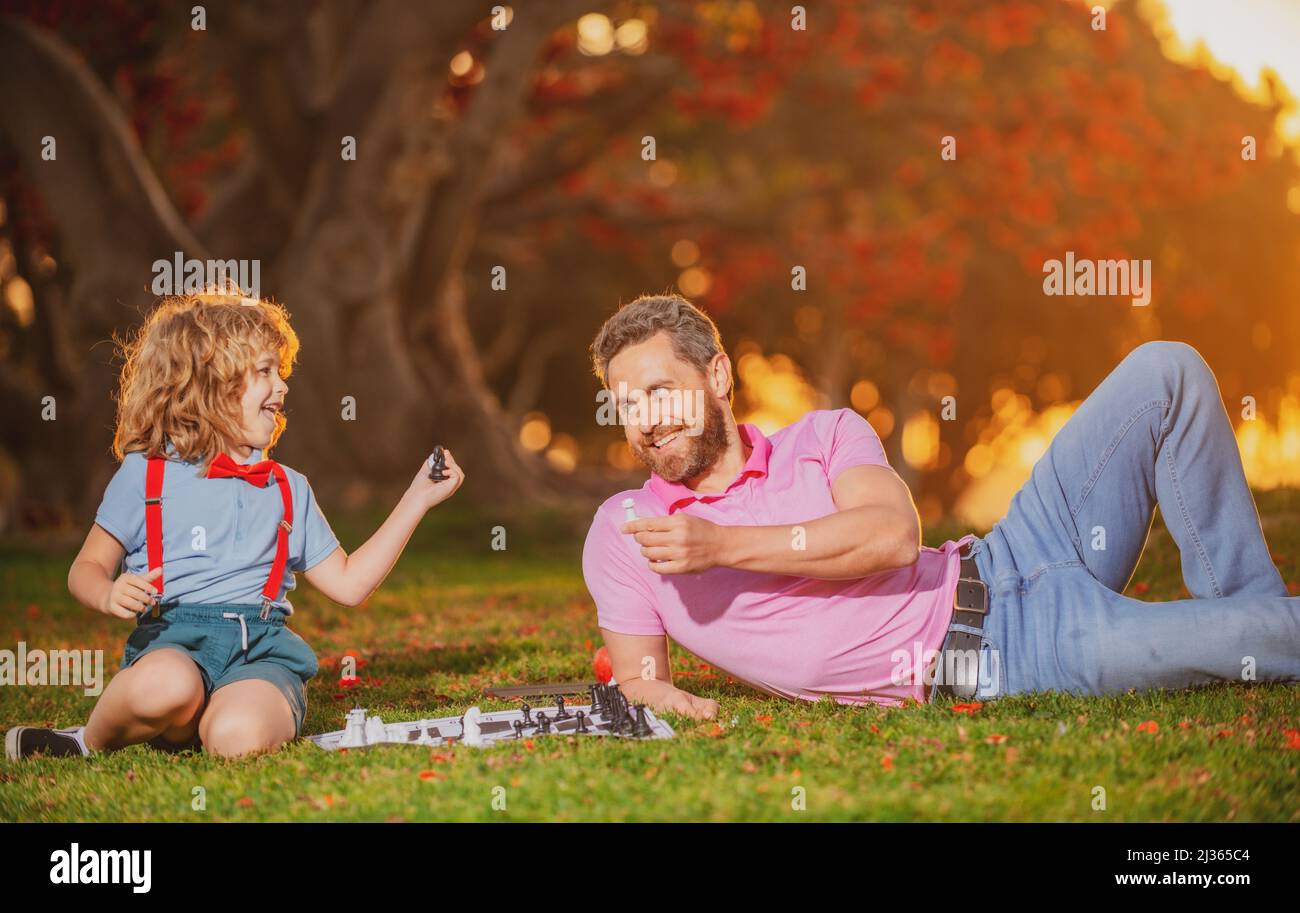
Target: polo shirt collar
(254,457)
(675,495)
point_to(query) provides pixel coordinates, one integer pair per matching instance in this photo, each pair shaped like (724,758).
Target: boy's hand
(433,493)
(131,595)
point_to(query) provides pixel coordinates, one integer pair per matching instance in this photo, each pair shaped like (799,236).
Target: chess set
(607,714)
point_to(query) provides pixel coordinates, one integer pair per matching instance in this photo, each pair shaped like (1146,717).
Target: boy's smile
(262,404)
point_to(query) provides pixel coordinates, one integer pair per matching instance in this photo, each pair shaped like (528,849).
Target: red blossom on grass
(875,728)
(33,611)
(602,666)
(996,739)
(1148,726)
(432,775)
(887,762)
(763,718)
(245,802)
(360,663)
(974,707)
(1293,739)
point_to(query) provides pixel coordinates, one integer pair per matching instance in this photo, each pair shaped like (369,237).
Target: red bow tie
(223,467)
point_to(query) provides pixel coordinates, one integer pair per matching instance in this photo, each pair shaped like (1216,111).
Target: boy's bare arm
(91,580)
(350,579)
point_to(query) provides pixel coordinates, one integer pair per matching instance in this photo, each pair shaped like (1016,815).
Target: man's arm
(875,528)
(640,666)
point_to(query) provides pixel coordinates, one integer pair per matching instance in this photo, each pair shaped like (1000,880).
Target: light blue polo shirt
(218,534)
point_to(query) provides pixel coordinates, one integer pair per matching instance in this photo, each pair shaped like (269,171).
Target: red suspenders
(153,482)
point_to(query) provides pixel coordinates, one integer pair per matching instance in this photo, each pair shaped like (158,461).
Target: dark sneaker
(26,741)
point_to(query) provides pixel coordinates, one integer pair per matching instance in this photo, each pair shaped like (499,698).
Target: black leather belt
(970,608)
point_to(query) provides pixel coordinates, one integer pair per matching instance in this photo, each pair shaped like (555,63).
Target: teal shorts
(230,643)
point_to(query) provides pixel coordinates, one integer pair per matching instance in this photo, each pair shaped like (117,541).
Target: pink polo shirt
(856,640)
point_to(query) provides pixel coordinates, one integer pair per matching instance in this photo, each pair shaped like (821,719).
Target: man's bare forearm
(846,544)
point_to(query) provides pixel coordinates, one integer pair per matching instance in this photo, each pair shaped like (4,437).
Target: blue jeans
(1153,433)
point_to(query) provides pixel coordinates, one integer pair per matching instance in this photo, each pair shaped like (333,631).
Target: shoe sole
(11,743)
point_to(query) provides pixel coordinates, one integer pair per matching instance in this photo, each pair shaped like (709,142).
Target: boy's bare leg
(246,717)
(160,695)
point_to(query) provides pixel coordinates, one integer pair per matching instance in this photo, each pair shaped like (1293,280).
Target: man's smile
(666,439)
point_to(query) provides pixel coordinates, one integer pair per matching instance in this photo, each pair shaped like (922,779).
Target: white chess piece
(471,734)
(375,731)
(354,732)
(629,510)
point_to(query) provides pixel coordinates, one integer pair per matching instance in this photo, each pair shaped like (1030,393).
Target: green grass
(456,617)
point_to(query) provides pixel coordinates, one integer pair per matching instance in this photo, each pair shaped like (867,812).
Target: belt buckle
(975,590)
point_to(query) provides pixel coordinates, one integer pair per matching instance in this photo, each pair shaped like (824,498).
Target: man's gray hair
(694,336)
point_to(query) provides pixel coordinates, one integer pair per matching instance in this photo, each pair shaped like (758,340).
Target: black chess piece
(642,727)
(438,472)
(519,729)
(543,724)
(582,722)
(595,699)
(560,712)
(528,720)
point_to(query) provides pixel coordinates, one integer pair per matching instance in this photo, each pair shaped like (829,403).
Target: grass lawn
(456,617)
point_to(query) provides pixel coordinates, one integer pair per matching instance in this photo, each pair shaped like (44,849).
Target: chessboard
(609,714)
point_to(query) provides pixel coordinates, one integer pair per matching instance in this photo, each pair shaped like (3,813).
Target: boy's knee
(160,697)
(233,734)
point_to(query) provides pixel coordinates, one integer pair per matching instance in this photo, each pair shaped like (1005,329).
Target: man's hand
(678,544)
(699,708)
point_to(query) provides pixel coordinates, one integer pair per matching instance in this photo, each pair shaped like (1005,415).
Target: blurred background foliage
(522,148)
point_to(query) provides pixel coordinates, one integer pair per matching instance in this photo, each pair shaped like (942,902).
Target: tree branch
(114,217)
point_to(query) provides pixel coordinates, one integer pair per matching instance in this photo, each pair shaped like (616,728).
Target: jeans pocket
(140,639)
(992,672)
(297,653)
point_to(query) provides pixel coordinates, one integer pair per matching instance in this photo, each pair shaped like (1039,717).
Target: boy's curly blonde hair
(185,372)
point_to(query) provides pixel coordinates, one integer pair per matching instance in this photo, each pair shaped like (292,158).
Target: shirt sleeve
(625,604)
(318,540)
(849,440)
(121,512)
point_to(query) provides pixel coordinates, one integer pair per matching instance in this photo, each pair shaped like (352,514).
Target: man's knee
(1177,359)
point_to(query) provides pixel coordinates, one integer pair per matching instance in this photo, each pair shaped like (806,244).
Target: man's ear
(720,375)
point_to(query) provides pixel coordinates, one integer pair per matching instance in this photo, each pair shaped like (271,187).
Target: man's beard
(697,456)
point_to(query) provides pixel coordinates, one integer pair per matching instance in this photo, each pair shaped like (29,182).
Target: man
(793,562)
